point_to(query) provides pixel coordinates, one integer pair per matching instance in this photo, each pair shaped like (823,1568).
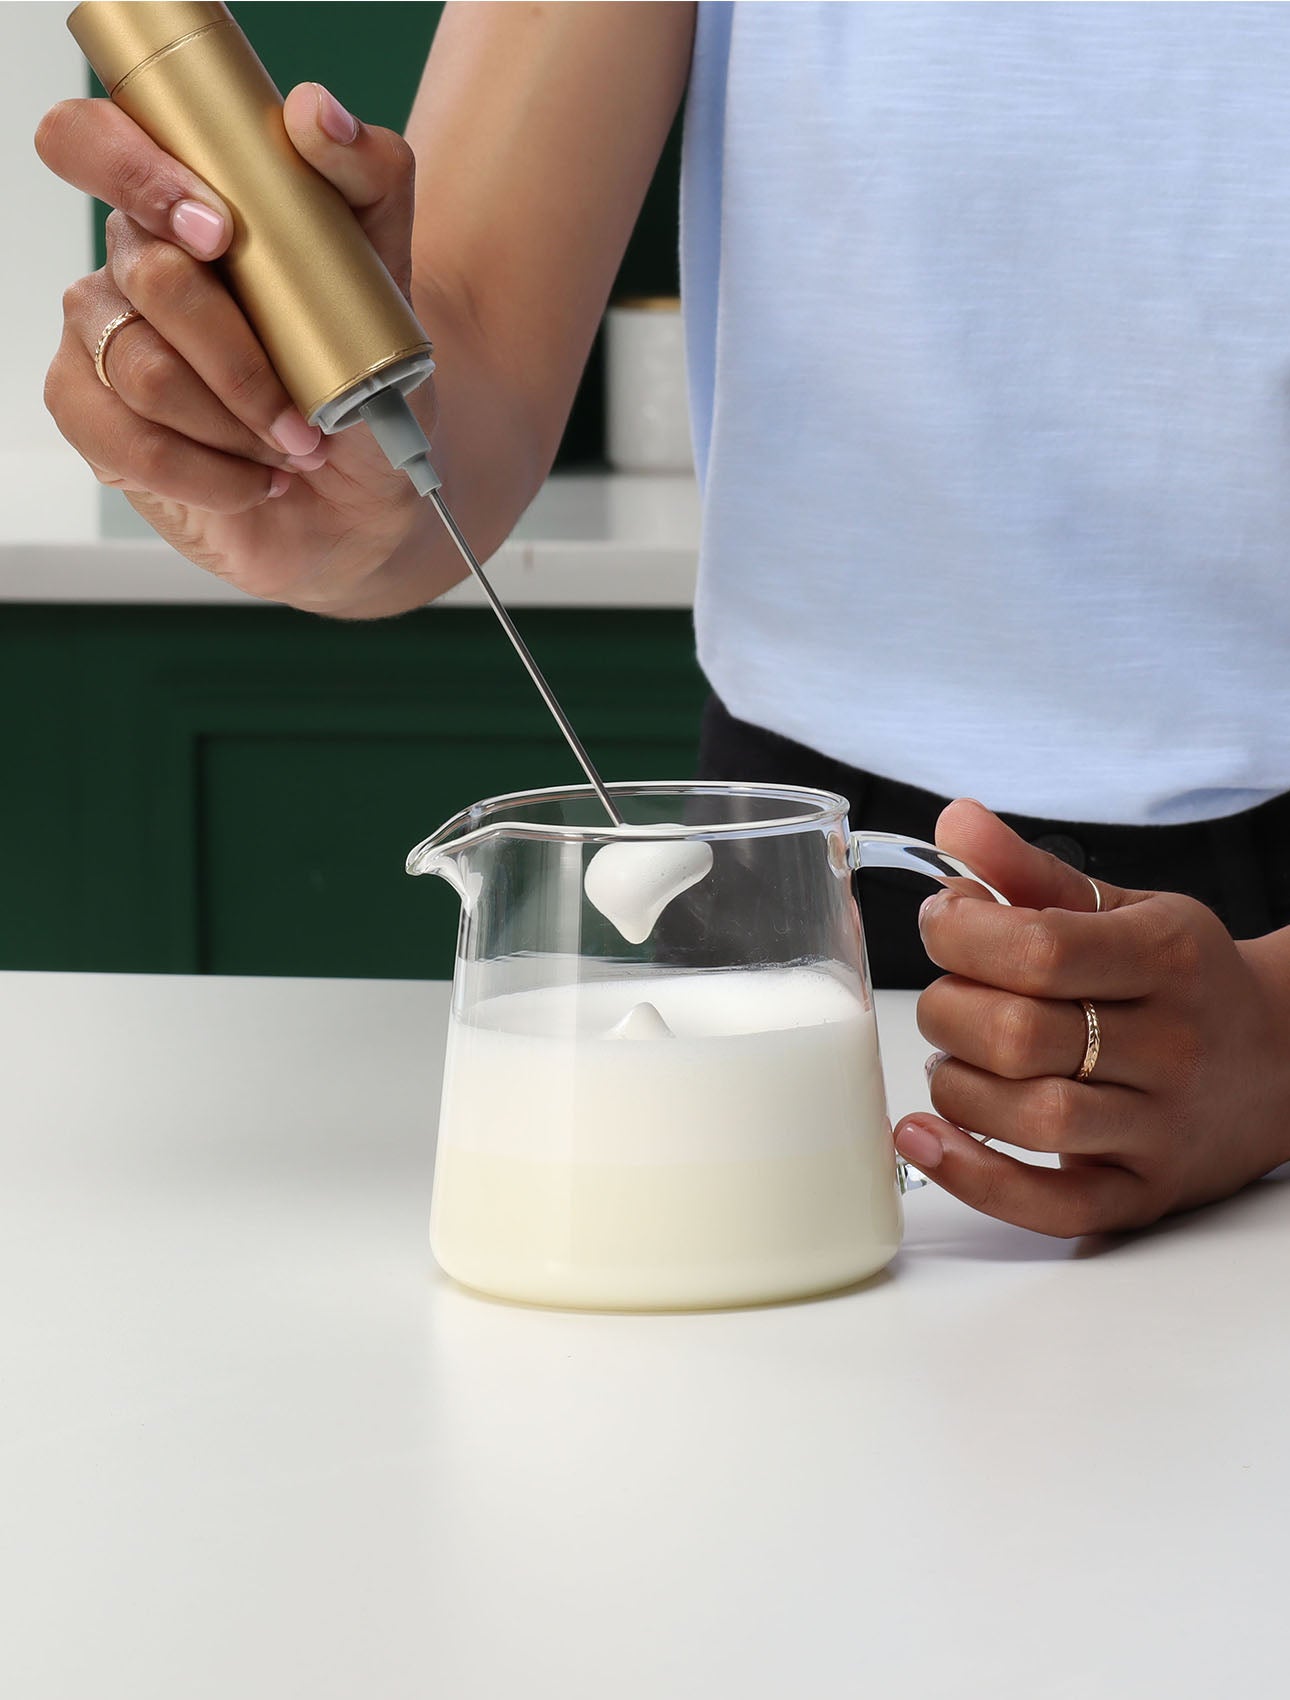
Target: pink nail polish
(279,484)
(293,434)
(920,1145)
(333,120)
(199,228)
(309,463)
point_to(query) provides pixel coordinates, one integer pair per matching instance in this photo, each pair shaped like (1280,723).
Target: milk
(666,1140)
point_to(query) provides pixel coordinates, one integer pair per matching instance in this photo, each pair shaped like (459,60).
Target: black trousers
(1239,866)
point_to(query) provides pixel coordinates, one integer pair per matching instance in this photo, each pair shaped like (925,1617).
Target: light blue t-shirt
(988,326)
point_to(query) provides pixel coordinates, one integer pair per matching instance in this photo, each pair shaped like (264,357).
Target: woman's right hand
(197,429)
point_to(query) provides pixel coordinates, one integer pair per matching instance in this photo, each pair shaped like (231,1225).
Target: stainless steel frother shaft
(522,650)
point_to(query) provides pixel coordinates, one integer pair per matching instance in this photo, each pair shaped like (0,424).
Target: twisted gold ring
(1092,1026)
(1093,1043)
(109,331)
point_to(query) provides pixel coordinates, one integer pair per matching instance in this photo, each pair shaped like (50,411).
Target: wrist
(413,572)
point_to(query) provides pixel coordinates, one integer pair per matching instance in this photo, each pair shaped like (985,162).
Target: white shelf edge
(653,566)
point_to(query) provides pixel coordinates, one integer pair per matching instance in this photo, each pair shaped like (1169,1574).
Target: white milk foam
(737,1151)
(632,881)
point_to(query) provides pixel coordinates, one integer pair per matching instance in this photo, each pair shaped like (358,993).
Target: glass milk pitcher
(694,1119)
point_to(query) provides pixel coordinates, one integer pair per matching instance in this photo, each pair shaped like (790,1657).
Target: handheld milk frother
(336,327)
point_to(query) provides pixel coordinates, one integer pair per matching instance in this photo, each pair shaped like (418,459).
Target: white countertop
(252,1444)
(607,540)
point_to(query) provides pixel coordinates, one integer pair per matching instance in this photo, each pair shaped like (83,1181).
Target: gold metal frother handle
(326,310)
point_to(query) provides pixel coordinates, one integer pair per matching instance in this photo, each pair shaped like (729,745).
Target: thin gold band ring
(1093,1041)
(101,346)
(1092,1026)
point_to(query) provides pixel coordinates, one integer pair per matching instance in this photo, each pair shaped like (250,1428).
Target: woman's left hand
(1190,1096)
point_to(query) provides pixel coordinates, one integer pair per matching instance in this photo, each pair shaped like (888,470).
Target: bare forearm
(536,130)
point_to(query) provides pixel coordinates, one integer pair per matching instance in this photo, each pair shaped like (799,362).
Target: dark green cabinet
(234,790)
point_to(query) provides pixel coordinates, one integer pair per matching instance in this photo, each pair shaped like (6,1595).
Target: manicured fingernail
(927,906)
(933,1063)
(333,120)
(198,227)
(279,484)
(919,1144)
(309,463)
(293,434)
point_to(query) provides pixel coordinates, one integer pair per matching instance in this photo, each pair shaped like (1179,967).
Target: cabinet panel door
(304,840)
(235,791)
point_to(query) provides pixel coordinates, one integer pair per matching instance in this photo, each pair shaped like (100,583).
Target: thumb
(1028,877)
(374,170)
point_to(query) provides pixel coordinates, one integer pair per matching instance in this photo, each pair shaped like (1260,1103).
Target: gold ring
(1093,1044)
(109,331)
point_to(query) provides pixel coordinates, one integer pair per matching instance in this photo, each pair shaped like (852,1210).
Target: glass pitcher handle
(908,1179)
(912,856)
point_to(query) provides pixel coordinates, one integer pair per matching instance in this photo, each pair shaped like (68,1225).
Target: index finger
(96,147)
(1048,953)
(1079,1198)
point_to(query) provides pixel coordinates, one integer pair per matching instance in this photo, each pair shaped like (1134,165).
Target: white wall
(46,492)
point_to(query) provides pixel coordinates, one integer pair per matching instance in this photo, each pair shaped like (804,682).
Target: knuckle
(1015,1039)
(136,183)
(1177,946)
(1053,1110)
(245,377)
(150,457)
(1157,1199)
(49,390)
(400,160)
(55,378)
(943,1090)
(1075,1217)
(932,1011)
(992,1193)
(1089,1206)
(64,382)
(1188,1056)
(119,238)
(161,275)
(126,242)
(123,252)
(144,371)
(1040,954)
(52,393)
